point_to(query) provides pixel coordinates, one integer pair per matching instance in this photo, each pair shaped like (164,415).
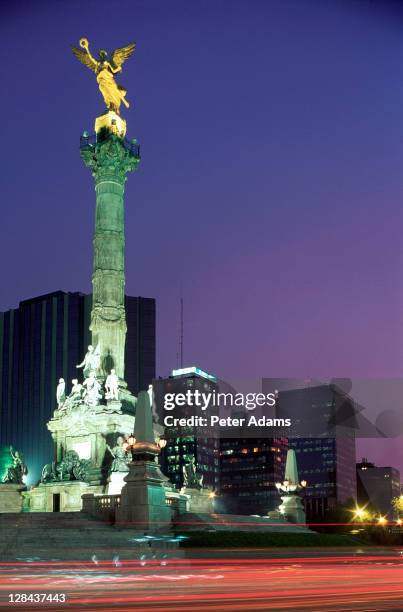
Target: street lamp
(143,451)
(290,487)
(130,442)
(162,442)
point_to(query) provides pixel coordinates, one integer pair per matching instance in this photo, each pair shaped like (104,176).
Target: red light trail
(352,583)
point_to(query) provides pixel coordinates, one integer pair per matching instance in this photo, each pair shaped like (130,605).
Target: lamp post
(288,487)
(143,498)
(131,444)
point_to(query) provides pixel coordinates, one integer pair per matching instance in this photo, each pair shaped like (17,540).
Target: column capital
(110,158)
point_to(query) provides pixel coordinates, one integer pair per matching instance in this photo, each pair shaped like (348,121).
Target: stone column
(110,159)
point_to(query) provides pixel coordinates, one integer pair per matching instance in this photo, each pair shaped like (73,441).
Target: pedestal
(110,123)
(200,500)
(116,482)
(11,497)
(58,496)
(143,500)
(87,432)
(113,406)
(293,509)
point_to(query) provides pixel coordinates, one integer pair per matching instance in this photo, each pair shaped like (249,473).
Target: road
(256,580)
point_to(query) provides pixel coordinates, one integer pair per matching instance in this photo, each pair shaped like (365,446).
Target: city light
(382,520)
(162,442)
(194,370)
(360,513)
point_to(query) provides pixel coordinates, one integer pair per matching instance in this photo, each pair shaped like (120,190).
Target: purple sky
(270,190)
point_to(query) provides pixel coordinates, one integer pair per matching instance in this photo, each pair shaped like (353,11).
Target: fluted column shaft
(110,160)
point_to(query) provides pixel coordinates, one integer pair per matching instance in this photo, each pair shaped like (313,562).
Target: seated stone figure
(92,393)
(17,470)
(121,458)
(49,472)
(191,478)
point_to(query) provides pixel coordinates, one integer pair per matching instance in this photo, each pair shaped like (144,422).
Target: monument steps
(48,519)
(74,536)
(192,521)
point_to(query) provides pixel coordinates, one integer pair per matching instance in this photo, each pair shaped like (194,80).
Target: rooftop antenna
(181,335)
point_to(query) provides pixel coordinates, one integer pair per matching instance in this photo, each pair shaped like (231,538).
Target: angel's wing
(121,55)
(84,58)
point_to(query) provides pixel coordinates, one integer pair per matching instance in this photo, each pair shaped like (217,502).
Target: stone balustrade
(104,507)
(101,506)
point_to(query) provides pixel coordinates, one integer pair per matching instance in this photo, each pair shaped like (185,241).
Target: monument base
(11,497)
(116,482)
(293,509)
(143,499)
(58,496)
(275,514)
(200,500)
(87,431)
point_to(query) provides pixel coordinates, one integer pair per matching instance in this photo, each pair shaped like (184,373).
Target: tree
(397,503)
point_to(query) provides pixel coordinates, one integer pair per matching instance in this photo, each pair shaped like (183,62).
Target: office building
(323,438)
(249,470)
(377,486)
(183,443)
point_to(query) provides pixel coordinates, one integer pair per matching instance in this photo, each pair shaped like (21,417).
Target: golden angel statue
(105,70)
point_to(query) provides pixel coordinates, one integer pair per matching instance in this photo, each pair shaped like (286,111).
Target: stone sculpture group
(90,392)
(71,467)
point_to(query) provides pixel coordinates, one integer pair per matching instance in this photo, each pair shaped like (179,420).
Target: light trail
(319,584)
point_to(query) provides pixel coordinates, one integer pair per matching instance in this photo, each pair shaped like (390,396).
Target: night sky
(270,192)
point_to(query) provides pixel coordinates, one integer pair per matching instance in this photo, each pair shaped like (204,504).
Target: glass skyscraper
(249,470)
(41,341)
